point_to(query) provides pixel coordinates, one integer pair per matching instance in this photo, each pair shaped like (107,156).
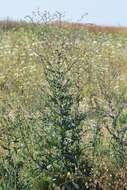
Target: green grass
(101,61)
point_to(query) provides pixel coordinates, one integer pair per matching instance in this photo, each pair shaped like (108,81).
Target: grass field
(8,24)
(29,133)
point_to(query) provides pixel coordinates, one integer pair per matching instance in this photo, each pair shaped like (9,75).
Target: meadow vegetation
(63,108)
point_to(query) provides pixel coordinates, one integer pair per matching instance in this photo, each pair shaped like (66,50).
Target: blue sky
(107,12)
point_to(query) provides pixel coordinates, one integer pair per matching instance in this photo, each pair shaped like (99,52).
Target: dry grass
(107,29)
(93,27)
(10,24)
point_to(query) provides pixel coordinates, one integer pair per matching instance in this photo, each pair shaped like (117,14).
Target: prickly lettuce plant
(62,117)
